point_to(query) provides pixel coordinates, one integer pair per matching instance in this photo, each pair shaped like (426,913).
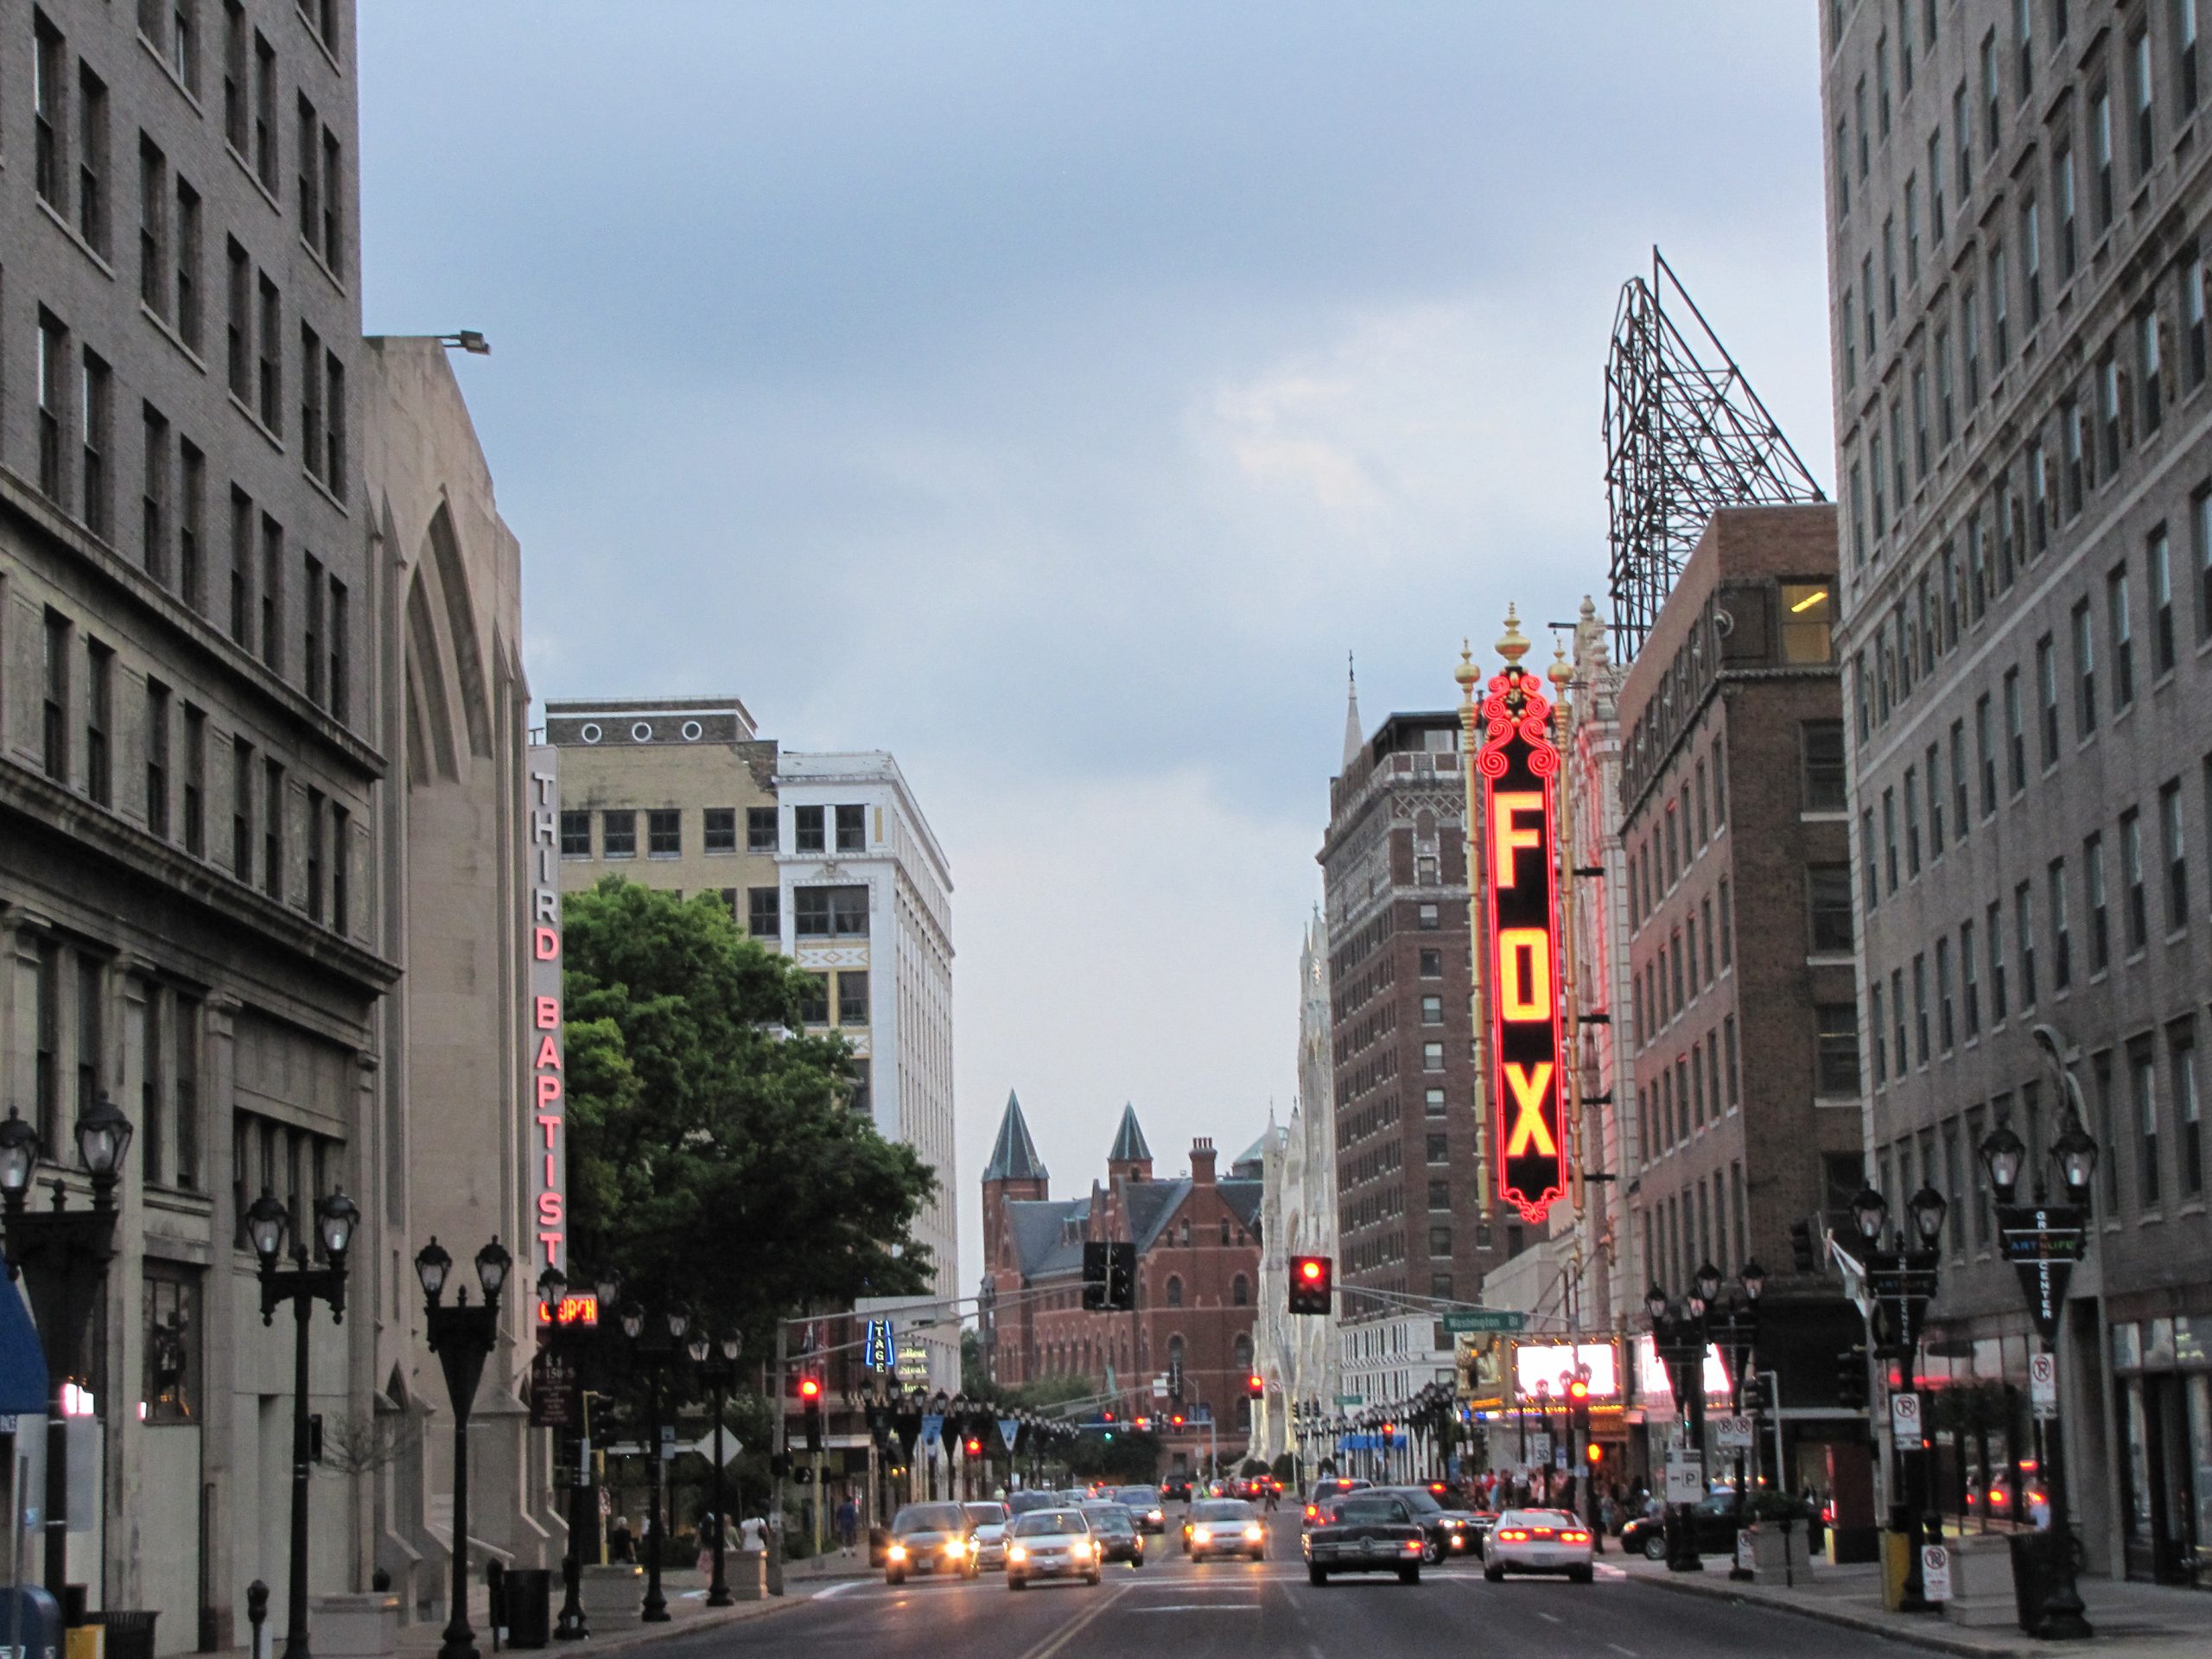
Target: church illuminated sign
(1517,768)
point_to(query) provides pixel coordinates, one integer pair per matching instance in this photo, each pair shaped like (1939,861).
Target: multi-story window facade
(2075,483)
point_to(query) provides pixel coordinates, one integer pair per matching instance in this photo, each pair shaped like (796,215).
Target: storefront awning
(22,1360)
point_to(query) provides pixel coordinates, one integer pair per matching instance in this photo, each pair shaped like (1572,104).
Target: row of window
(1669,982)
(1692,1227)
(175,785)
(2145,892)
(1702,1087)
(718,830)
(1680,838)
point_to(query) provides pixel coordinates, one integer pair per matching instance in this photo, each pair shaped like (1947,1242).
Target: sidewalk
(2154,1621)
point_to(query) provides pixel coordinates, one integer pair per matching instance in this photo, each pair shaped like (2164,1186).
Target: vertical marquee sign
(1517,767)
(545,1138)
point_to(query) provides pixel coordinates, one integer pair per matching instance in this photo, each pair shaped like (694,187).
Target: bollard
(256,1615)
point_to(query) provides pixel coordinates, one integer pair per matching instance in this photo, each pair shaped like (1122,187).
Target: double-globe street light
(1734,1327)
(1680,1335)
(1901,1284)
(63,1254)
(654,1351)
(269,1225)
(462,1338)
(716,1358)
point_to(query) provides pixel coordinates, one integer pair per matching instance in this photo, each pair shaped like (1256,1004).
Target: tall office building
(2017,205)
(825,857)
(1411,1223)
(188,748)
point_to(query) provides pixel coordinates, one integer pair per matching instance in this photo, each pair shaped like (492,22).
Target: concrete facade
(190,881)
(2025,441)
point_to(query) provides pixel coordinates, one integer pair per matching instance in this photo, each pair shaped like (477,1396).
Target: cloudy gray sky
(1053,394)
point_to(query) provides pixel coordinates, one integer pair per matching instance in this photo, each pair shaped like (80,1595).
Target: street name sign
(1473,1321)
(1352,1399)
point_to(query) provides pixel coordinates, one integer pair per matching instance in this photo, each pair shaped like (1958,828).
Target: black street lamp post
(462,1338)
(1901,1284)
(576,1343)
(1680,1335)
(1734,1327)
(268,1225)
(65,1253)
(717,1363)
(655,1354)
(2043,1240)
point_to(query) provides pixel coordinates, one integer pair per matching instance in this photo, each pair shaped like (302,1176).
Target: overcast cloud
(1053,394)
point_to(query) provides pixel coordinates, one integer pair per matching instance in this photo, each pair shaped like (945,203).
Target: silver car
(1051,1544)
(989,1538)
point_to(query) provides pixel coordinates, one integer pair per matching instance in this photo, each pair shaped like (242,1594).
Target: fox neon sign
(1517,768)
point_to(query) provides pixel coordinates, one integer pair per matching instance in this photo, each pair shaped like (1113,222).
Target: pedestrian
(849,1524)
(621,1546)
(753,1533)
(709,1525)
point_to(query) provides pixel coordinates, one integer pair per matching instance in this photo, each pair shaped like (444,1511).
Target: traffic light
(1175,1420)
(1851,1379)
(1594,1452)
(810,1400)
(973,1446)
(1311,1284)
(1801,1247)
(1095,1252)
(1121,1278)
(1254,1385)
(1390,1433)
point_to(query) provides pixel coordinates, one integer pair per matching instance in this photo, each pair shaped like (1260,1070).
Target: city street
(1241,1610)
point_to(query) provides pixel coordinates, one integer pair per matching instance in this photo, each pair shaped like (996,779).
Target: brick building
(1198,1266)
(1396,898)
(1745,1038)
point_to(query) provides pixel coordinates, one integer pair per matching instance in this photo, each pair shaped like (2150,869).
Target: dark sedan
(1713,1524)
(1445,1532)
(1366,1532)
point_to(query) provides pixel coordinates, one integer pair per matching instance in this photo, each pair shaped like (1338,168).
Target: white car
(1051,1544)
(1539,1541)
(989,1539)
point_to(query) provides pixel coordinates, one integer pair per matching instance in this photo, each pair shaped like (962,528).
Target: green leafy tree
(714,1158)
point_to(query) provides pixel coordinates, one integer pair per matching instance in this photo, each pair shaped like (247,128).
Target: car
(1051,1544)
(1176,1488)
(1322,1490)
(988,1537)
(1444,1532)
(1364,1531)
(1146,1507)
(929,1538)
(1116,1528)
(1023,1503)
(1225,1526)
(1539,1541)
(1479,1523)
(1712,1521)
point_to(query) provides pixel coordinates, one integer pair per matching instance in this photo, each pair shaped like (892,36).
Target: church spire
(1355,734)
(1015,1158)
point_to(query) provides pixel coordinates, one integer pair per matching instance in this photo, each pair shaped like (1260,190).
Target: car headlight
(1202,1535)
(1155,1516)
(1016,1553)
(955,1547)
(897,1552)
(1253,1533)
(1080,1550)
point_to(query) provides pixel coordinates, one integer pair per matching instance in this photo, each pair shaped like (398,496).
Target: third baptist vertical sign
(546,1138)
(1518,766)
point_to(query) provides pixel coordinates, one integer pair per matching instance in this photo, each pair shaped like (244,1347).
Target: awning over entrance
(22,1360)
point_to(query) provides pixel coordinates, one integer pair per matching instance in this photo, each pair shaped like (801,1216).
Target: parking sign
(1904,1416)
(2042,1384)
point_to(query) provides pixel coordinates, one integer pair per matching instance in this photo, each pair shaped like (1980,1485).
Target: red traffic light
(1310,1270)
(1310,1284)
(1255,1386)
(810,1388)
(1578,1390)
(1176,1420)
(975,1447)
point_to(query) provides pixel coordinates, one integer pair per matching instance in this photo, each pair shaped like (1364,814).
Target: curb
(1935,1641)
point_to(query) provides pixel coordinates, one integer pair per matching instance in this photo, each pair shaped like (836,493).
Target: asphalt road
(1242,1610)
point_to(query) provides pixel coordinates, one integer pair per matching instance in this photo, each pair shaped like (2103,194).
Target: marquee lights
(1518,769)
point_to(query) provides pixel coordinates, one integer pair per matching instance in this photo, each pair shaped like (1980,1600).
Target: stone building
(1198,1263)
(2018,208)
(190,752)
(827,858)
(1745,1038)
(1395,886)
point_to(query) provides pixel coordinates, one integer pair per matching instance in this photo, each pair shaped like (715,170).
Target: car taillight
(1514,1536)
(1574,1537)
(1312,1511)
(1543,1532)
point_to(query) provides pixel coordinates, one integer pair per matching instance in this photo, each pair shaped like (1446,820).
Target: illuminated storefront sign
(1651,1384)
(544,1136)
(1517,767)
(1553,1364)
(577,1307)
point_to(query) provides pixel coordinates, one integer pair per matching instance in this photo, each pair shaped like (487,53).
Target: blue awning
(22,1360)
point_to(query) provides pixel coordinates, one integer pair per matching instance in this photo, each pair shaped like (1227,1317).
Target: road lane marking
(1551,1618)
(849,1586)
(1200,1607)
(1625,1653)
(1053,1642)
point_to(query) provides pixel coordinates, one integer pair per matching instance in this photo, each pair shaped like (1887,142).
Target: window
(1934,803)
(272,828)
(242,809)
(265,112)
(2137,911)
(341,856)
(1946,1027)
(2143,1086)
(1990,130)
(617,835)
(2100,155)
(763,914)
(238,297)
(308,177)
(2200,522)
(2117,615)
(2061,944)
(760,828)
(1882,86)
(2184,51)
(1432,1010)
(334,425)
(312,450)
(98,445)
(1850,345)
(92,159)
(1935,184)
(2141,91)
(852,997)
(2000,310)
(1890,270)
(2085,671)
(1865,127)
(2047,699)
(50,113)
(1439,1198)
(1433,1104)
(2070,430)
(195,781)
(718,830)
(2192,291)
(1866,340)
(157,758)
(1431,965)
(1993,922)
(1432,1056)
(2180,1060)
(2062,190)
(1985,754)
(234,84)
(2031,259)
(1428,919)
(2173,852)
(575,835)
(1830,898)
(329,239)
(1843,175)
(1969,983)
(2108,414)
(154,492)
(153,227)
(2016,740)
(1920,1010)
(814,1000)
(311,641)
(317,814)
(1807,613)
(1175,1295)
(2158,567)
(810,830)
(1959,778)
(1910,789)
(839,913)
(271,362)
(852,828)
(1896,1011)
(665,832)
(1439,1148)
(2023,934)
(1962,132)
(272,593)
(2149,373)
(100,683)
(91,1006)
(2092,871)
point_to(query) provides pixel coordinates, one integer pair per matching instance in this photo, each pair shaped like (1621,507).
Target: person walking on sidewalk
(621,1547)
(848,1524)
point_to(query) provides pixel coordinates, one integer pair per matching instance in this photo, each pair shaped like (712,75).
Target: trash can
(130,1633)
(529,1593)
(2030,1575)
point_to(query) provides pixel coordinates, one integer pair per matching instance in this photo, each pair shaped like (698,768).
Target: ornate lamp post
(462,1338)
(717,1362)
(654,1354)
(1901,1284)
(1680,1335)
(2043,1240)
(267,1226)
(64,1254)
